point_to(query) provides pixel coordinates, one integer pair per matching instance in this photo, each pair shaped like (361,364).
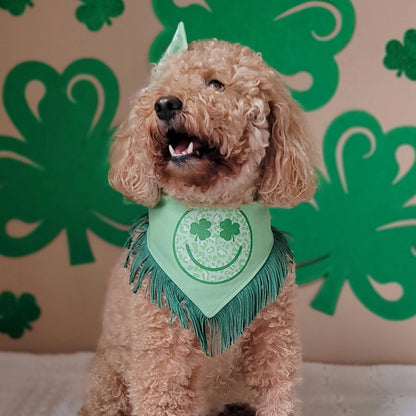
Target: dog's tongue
(185,146)
(182,146)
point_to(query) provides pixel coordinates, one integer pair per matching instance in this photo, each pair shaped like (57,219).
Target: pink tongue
(181,147)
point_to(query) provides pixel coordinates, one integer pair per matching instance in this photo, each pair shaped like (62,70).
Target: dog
(216,127)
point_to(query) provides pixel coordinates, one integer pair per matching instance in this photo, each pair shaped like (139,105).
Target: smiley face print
(213,245)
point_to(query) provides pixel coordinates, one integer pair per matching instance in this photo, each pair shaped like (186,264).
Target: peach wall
(71,297)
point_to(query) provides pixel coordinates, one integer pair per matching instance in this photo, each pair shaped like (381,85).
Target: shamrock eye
(200,229)
(218,85)
(229,229)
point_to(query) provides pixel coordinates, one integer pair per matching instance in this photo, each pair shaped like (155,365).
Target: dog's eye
(216,84)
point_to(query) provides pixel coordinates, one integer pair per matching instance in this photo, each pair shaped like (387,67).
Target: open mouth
(183,146)
(184,157)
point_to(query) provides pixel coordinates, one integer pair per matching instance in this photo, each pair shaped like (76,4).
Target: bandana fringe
(228,324)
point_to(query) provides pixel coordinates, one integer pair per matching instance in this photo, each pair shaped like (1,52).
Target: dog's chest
(216,267)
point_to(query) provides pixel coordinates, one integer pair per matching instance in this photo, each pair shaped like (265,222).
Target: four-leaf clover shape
(94,13)
(56,176)
(229,229)
(15,7)
(200,229)
(360,227)
(402,57)
(17,313)
(323,29)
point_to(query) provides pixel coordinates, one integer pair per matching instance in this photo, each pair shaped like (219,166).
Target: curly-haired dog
(215,128)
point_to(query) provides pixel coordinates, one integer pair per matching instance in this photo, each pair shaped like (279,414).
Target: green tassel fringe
(227,326)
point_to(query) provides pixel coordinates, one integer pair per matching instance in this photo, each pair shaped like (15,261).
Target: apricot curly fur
(257,150)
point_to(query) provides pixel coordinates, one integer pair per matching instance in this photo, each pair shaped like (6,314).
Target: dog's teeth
(186,152)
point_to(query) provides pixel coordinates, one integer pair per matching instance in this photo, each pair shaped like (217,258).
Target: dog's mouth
(183,146)
(190,159)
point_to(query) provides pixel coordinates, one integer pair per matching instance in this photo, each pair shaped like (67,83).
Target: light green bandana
(215,266)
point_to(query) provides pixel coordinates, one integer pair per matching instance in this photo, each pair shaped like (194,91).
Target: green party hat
(178,43)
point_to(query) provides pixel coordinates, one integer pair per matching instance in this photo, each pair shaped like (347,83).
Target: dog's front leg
(164,361)
(107,391)
(271,356)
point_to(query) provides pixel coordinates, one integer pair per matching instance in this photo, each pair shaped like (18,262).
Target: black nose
(167,107)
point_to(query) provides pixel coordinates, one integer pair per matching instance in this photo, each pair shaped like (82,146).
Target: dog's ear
(288,176)
(131,169)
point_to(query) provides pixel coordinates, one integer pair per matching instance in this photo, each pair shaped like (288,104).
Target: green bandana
(216,267)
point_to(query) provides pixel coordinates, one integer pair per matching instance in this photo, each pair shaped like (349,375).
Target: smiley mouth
(213,269)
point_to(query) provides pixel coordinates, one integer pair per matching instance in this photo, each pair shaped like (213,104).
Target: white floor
(52,385)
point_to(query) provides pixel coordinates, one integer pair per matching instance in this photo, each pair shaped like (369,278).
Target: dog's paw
(237,409)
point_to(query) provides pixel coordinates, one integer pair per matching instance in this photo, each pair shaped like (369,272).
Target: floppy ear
(288,175)
(131,168)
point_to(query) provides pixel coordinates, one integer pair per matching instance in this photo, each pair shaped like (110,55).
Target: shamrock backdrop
(67,75)
(52,189)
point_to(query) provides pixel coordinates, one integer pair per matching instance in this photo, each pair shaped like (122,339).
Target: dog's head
(215,127)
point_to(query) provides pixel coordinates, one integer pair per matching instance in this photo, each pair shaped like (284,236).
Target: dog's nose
(167,107)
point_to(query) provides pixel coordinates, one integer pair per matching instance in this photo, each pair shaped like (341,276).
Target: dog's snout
(167,107)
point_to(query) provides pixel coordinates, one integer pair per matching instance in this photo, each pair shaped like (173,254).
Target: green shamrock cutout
(15,7)
(323,29)
(402,57)
(94,13)
(200,229)
(361,227)
(16,313)
(230,229)
(56,177)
